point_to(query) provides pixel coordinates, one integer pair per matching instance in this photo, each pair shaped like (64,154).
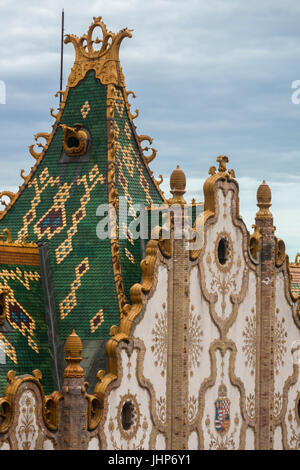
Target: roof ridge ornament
(264,197)
(105,61)
(222,160)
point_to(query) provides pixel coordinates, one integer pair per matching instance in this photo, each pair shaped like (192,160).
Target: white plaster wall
(160,442)
(277,438)
(215,279)
(286,334)
(202,332)
(94,444)
(244,334)
(292,419)
(129,385)
(48,445)
(250,439)
(212,439)
(153,331)
(193,442)
(27,430)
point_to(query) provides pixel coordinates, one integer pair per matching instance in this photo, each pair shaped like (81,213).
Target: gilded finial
(177,185)
(73,351)
(222,160)
(264,197)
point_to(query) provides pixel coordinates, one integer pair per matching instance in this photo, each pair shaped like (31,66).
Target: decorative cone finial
(177,185)
(73,351)
(264,197)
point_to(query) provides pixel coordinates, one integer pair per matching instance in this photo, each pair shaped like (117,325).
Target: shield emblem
(222,405)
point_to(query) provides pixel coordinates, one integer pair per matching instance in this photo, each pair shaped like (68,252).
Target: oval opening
(127,415)
(72,142)
(223,251)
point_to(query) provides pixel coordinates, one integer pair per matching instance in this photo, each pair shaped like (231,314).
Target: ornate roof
(92,156)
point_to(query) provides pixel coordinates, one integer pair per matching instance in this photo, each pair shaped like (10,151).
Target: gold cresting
(73,352)
(105,60)
(22,253)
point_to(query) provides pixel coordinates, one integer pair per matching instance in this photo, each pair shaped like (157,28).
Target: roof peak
(104,60)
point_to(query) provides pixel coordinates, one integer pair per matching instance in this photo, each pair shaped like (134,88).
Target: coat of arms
(222,405)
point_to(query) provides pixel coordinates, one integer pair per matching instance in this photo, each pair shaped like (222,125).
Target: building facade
(185,337)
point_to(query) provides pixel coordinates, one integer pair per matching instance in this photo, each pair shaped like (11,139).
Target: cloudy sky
(211,78)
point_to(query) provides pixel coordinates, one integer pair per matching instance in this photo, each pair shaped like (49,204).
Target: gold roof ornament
(264,197)
(73,352)
(177,185)
(222,160)
(214,176)
(104,60)
(75,140)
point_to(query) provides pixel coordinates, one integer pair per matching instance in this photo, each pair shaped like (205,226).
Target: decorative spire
(177,184)
(73,350)
(104,60)
(264,197)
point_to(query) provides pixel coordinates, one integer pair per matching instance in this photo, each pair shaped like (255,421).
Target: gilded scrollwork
(50,404)
(36,155)
(104,59)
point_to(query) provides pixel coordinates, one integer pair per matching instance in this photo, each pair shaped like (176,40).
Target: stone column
(265,392)
(178,319)
(74,410)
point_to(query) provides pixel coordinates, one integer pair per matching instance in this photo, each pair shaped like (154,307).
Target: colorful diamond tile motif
(127,131)
(97,320)
(45,181)
(129,255)
(125,156)
(54,220)
(119,102)
(65,248)
(23,277)
(67,305)
(19,318)
(85,109)
(127,233)
(144,183)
